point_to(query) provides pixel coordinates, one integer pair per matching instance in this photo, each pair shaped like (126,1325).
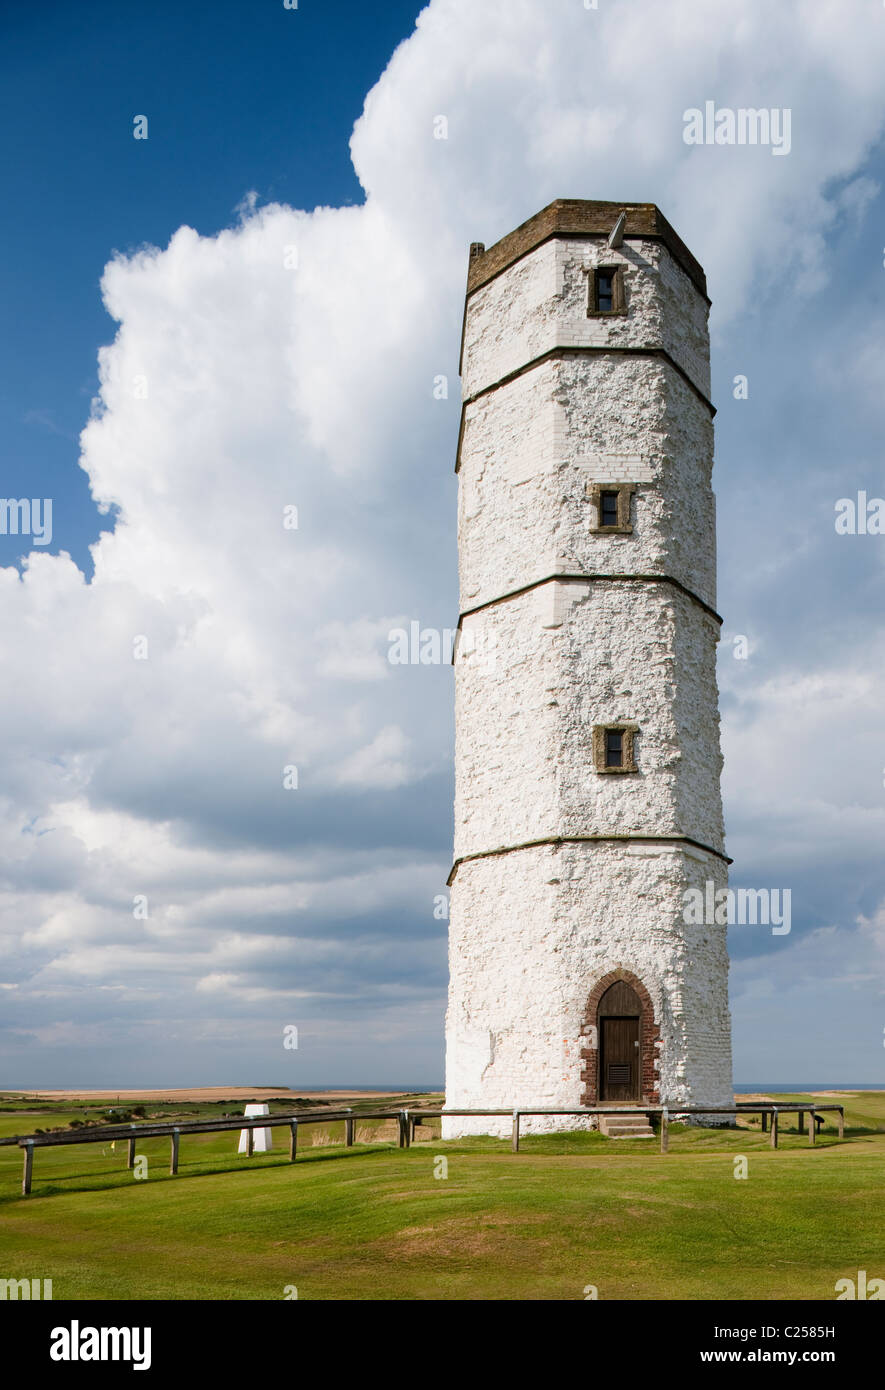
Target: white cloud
(382,763)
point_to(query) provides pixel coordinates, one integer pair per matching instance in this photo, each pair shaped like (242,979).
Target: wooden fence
(675,1112)
(407,1120)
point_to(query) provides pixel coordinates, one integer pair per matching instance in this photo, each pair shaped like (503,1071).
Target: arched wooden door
(620,1043)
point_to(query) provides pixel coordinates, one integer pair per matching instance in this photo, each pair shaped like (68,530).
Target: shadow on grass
(119,1178)
(685,1140)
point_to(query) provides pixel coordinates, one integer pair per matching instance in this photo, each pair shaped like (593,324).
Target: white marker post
(262,1141)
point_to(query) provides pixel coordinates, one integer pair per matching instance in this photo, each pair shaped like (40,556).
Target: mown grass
(376,1223)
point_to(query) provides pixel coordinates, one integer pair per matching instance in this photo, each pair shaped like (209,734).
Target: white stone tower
(587,758)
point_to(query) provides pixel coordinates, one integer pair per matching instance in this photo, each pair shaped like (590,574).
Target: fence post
(250,1142)
(812,1128)
(514,1142)
(348,1133)
(130,1154)
(293,1140)
(402,1129)
(774,1128)
(665,1130)
(764,1114)
(801,1129)
(27,1167)
(173,1163)
(841,1123)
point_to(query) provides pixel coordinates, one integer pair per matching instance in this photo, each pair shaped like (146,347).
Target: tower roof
(578,217)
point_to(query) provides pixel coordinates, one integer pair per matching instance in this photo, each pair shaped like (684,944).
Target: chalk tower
(587,758)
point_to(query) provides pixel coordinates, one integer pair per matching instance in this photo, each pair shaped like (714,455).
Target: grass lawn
(375,1222)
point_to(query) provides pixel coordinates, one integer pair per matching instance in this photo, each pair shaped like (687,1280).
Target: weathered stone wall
(540,303)
(533,932)
(531,447)
(549,664)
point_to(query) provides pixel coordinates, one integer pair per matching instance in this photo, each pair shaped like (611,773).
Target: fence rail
(675,1112)
(406,1122)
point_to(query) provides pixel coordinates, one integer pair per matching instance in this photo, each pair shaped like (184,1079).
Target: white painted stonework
(262,1139)
(535,926)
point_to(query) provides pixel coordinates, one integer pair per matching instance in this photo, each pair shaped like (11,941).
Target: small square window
(613,504)
(608,508)
(606,290)
(613,747)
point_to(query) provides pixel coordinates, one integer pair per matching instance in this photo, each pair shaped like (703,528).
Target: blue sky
(240,97)
(270,129)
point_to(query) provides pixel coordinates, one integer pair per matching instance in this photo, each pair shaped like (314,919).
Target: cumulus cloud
(288,362)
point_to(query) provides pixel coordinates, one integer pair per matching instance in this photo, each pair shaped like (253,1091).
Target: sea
(808,1086)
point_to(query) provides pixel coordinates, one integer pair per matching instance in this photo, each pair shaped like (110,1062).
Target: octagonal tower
(587,754)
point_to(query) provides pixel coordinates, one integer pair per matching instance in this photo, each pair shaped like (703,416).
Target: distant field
(375,1223)
(197,1093)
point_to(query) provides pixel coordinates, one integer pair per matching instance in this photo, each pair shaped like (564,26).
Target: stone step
(621,1129)
(626,1127)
